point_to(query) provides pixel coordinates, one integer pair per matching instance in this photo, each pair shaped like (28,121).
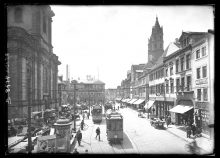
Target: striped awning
(132,101)
(139,101)
(149,104)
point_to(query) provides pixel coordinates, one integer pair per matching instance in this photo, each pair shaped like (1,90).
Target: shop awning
(139,101)
(181,109)
(123,100)
(149,104)
(132,101)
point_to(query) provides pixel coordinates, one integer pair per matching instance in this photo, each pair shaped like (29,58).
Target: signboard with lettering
(202,105)
(202,81)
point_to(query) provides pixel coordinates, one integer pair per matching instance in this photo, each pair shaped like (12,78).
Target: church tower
(155,43)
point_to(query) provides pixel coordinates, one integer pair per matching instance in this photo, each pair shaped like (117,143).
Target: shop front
(202,116)
(183,112)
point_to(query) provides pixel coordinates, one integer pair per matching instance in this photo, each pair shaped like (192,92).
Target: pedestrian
(98,133)
(82,124)
(193,127)
(168,120)
(79,136)
(188,131)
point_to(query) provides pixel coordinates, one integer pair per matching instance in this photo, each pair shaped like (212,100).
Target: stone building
(89,91)
(32,65)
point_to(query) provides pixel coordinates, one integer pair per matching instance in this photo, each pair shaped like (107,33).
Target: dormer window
(18,15)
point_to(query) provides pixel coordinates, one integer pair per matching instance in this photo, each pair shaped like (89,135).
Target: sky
(104,41)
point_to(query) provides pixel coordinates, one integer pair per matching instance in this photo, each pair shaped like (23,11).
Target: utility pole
(29,112)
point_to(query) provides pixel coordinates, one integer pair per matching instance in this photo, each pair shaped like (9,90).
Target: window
(205,94)
(188,66)
(199,94)
(204,71)
(171,86)
(182,83)
(177,84)
(167,86)
(182,63)
(166,72)
(18,15)
(177,65)
(198,54)
(171,71)
(203,51)
(188,78)
(198,73)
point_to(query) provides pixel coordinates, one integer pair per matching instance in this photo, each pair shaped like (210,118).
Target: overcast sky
(104,41)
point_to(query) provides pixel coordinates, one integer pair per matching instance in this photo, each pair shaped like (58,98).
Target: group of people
(192,129)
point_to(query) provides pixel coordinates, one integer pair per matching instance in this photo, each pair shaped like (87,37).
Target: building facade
(203,81)
(32,65)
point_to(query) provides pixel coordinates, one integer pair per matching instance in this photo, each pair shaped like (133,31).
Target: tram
(97,113)
(114,126)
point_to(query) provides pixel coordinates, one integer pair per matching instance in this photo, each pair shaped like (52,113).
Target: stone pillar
(62,132)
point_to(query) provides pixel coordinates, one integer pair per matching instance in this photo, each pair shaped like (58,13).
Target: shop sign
(201,81)
(202,105)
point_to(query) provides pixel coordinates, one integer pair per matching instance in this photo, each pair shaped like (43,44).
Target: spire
(157,23)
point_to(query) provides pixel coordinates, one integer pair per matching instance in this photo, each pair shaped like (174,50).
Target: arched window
(18,14)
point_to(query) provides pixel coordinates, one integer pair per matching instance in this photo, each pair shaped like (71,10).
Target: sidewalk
(203,142)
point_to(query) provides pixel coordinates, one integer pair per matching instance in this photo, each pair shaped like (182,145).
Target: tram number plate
(115,136)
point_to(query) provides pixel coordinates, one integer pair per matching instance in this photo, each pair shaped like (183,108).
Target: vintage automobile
(157,123)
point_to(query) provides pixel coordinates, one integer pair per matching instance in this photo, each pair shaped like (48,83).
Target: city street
(139,137)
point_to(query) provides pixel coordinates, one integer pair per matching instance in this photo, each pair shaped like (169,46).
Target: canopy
(128,100)
(139,101)
(132,101)
(181,109)
(149,104)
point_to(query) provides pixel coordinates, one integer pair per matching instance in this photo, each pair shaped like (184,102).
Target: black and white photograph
(110,79)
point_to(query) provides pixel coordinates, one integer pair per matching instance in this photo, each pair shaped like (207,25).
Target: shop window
(198,54)
(204,71)
(205,94)
(203,51)
(199,94)
(198,73)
